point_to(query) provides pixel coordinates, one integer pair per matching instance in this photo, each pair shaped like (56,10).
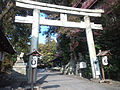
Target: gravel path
(56,81)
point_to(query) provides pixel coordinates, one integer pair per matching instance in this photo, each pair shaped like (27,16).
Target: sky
(42,29)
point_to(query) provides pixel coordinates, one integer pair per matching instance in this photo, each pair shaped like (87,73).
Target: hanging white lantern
(105,60)
(34,62)
(83,65)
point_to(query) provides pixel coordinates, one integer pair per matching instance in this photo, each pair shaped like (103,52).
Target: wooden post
(34,41)
(103,74)
(102,69)
(91,47)
(32,83)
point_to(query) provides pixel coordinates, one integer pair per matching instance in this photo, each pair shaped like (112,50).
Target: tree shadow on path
(42,80)
(12,81)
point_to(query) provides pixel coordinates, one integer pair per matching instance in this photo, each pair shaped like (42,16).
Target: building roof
(87,4)
(104,53)
(84,3)
(5,44)
(34,53)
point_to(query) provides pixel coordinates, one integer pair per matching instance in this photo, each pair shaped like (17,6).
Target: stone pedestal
(19,68)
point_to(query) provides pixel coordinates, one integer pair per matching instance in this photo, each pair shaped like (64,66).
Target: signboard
(96,65)
(34,62)
(105,60)
(83,65)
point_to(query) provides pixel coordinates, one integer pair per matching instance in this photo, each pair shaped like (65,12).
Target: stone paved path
(55,81)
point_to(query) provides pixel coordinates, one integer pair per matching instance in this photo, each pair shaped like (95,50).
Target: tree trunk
(70,67)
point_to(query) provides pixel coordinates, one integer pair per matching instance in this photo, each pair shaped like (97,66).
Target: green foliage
(48,52)
(18,34)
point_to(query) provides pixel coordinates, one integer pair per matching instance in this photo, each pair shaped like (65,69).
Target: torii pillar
(34,41)
(91,47)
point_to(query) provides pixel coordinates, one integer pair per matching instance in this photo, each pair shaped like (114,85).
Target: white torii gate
(36,20)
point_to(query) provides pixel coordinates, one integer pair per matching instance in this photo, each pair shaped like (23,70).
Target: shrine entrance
(64,11)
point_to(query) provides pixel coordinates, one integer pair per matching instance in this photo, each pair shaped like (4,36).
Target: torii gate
(36,20)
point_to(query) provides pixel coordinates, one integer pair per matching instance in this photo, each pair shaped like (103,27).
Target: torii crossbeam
(36,20)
